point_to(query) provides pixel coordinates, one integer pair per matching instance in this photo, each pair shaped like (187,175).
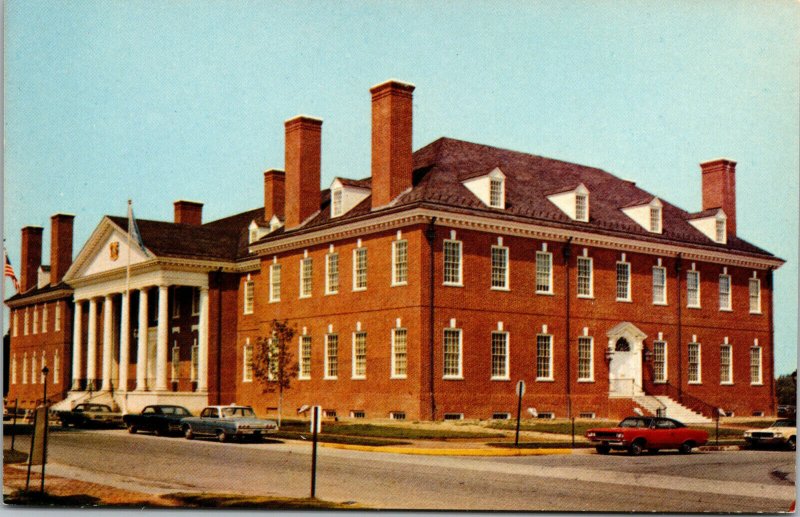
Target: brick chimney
(31,257)
(303,161)
(188,212)
(392,163)
(60,246)
(274,193)
(719,188)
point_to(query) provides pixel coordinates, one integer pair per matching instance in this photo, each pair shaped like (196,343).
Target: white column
(108,334)
(202,342)
(124,341)
(141,350)
(91,346)
(161,344)
(77,345)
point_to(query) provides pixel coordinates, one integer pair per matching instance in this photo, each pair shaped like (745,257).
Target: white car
(782,433)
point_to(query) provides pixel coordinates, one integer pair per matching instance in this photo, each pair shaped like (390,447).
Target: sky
(185,99)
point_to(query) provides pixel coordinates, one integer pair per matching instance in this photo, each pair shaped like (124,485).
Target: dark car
(161,420)
(637,433)
(90,415)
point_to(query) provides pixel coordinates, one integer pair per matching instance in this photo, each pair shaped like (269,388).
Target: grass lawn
(384,431)
(553,426)
(328,438)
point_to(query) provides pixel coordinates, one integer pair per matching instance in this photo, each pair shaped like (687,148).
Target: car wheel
(132,429)
(686,447)
(635,448)
(603,449)
(791,445)
(221,436)
(158,431)
(187,433)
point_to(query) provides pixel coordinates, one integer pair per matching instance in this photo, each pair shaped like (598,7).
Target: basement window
(358,413)
(546,416)
(329,413)
(397,415)
(501,416)
(454,416)
(587,414)
(758,413)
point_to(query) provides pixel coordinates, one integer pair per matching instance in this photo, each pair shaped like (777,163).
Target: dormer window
(489,187)
(711,223)
(655,219)
(581,207)
(346,194)
(649,216)
(274,223)
(574,203)
(720,227)
(336,202)
(253,235)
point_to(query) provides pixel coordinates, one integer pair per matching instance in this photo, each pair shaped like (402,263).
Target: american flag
(9,272)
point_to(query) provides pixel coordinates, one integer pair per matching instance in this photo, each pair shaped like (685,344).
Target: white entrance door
(625,342)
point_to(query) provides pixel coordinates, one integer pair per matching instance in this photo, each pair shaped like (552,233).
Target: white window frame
(56,367)
(358,253)
(664,374)
(725,295)
(729,369)
(505,374)
(689,290)
(497,196)
(35,320)
(247,361)
(332,280)
(357,373)
(34,369)
(549,377)
(275,274)
(42,366)
(44,318)
(328,356)
(337,196)
(590,377)
(655,223)
(249,296)
(396,374)
(755,308)
(699,379)
(581,204)
(304,364)
(306,277)
(25,368)
(460,373)
(458,282)
(720,230)
(627,284)
(503,250)
(590,262)
(195,300)
(759,381)
(57,318)
(663,271)
(399,266)
(547,260)
(194,365)
(175,361)
(15,324)
(26,322)
(13,368)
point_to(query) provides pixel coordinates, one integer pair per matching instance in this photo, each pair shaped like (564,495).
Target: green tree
(273,362)
(786,389)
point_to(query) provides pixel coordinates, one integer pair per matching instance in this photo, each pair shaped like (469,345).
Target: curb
(450,452)
(711,448)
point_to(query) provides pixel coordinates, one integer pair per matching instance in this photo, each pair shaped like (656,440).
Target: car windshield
(237,411)
(176,410)
(635,422)
(784,423)
(98,408)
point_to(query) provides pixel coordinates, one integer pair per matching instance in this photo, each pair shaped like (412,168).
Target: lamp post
(45,371)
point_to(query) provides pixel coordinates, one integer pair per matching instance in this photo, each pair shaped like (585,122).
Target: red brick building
(427,290)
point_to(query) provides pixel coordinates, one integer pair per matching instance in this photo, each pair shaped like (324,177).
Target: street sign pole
(45,371)
(314,427)
(520,392)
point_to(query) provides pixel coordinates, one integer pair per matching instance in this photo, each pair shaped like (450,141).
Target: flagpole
(128,293)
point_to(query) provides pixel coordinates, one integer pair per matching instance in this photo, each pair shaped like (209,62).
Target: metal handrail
(662,407)
(694,403)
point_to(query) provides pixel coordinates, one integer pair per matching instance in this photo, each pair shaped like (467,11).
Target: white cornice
(39,298)
(524,229)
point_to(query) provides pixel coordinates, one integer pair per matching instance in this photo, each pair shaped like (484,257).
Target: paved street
(746,481)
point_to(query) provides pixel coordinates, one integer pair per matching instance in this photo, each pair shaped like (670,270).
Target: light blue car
(227,422)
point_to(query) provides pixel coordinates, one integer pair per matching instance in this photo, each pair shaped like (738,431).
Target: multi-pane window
(25,368)
(249,295)
(452,353)
(544,272)
(56,367)
(659,361)
(44,318)
(724,292)
(452,262)
(332,273)
(42,367)
(499,267)
(304,365)
(694,363)
(585,287)
(33,369)
(15,324)
(57,318)
(655,219)
(496,193)
(336,202)
(581,207)
(585,362)
(623,281)
(659,285)
(755,365)
(725,365)
(359,269)
(720,227)
(194,362)
(500,355)
(359,355)
(399,353)
(275,283)
(693,289)
(755,295)
(25,323)
(399,262)
(331,356)
(175,362)
(247,363)
(544,357)
(195,301)
(14,369)
(306,271)
(35,320)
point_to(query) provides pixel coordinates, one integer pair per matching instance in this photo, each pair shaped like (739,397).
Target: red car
(637,433)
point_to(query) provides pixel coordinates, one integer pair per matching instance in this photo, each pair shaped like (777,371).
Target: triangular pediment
(626,329)
(106,250)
